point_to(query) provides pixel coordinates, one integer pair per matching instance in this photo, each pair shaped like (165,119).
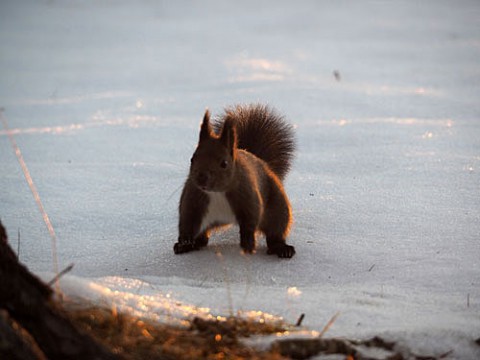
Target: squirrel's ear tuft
(229,137)
(205,130)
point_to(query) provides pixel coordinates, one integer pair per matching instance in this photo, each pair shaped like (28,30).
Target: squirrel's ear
(229,137)
(205,131)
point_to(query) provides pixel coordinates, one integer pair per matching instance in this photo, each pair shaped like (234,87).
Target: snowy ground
(105,98)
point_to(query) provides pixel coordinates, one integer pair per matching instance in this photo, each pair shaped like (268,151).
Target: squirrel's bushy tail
(264,133)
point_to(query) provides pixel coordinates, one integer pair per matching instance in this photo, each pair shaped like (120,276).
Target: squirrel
(235,177)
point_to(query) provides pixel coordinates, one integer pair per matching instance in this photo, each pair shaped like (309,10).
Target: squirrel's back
(263,132)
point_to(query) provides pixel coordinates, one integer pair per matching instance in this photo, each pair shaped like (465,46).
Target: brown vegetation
(137,338)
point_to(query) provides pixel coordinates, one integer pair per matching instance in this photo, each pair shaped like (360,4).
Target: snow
(104,100)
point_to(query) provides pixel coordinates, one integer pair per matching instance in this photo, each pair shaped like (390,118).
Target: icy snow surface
(105,99)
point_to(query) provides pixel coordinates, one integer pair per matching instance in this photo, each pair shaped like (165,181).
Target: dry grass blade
(34,191)
(329,324)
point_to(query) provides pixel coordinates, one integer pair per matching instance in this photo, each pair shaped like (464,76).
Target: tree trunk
(26,306)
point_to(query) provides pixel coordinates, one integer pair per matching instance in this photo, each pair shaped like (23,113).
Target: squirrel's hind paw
(283,251)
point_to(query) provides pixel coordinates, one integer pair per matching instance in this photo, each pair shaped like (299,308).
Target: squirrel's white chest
(219,211)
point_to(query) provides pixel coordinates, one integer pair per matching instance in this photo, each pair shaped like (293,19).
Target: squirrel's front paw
(248,245)
(180,247)
(283,251)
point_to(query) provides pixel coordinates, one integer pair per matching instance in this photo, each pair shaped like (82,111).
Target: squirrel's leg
(246,207)
(192,207)
(276,225)
(247,238)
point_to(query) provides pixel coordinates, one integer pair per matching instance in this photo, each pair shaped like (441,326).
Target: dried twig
(60,274)
(299,321)
(329,324)
(33,189)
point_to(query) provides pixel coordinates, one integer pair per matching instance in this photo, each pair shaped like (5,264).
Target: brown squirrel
(235,177)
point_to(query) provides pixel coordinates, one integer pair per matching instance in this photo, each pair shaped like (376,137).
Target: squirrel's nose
(202,178)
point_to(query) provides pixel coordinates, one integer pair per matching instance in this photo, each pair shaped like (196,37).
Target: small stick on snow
(60,274)
(329,324)
(336,74)
(371,268)
(299,321)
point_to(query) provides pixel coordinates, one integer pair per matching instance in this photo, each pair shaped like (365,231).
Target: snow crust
(105,100)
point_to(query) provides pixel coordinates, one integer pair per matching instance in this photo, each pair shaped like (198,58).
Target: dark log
(29,302)
(15,343)
(306,348)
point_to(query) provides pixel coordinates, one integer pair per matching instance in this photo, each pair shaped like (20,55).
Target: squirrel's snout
(202,178)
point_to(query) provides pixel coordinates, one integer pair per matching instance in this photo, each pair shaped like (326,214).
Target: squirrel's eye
(224,164)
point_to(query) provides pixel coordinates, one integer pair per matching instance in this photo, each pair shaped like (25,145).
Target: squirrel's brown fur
(236,176)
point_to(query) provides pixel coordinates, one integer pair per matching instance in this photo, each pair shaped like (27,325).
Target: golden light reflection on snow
(133,122)
(392,90)
(293,291)
(259,316)
(54,99)
(245,69)
(157,307)
(448,123)
(427,135)
(420,91)
(258,64)
(123,294)
(139,104)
